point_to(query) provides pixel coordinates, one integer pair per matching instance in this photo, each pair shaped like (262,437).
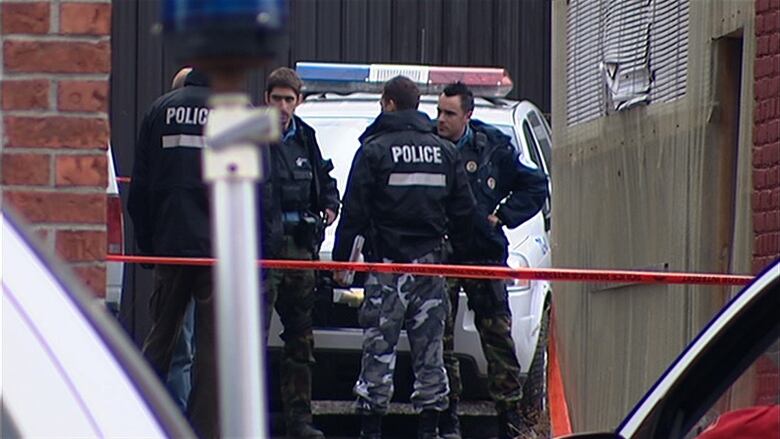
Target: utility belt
(306,228)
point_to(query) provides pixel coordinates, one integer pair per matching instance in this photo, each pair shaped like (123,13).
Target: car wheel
(534,403)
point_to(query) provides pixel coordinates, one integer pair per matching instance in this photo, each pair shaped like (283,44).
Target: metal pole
(233,170)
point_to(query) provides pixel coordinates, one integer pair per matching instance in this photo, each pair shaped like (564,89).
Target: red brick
(82,96)
(85,18)
(759,179)
(760,222)
(772,221)
(81,245)
(93,277)
(57,56)
(26,169)
(774,43)
(774,153)
(25,94)
(762,45)
(774,4)
(81,170)
(53,207)
(762,5)
(773,131)
(762,88)
(773,177)
(56,132)
(25,18)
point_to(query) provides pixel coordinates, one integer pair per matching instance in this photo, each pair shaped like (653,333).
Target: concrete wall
(664,186)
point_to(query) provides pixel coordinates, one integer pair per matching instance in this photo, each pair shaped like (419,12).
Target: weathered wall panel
(644,189)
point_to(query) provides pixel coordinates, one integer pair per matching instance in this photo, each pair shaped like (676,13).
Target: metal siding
(584,93)
(669,49)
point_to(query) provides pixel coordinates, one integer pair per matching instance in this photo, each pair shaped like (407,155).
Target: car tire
(534,403)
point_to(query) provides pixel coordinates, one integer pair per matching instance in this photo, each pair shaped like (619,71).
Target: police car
(341,101)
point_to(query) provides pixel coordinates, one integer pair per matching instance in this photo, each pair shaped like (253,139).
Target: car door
(533,129)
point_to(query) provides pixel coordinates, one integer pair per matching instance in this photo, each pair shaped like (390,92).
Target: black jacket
(324,193)
(405,191)
(169,201)
(503,186)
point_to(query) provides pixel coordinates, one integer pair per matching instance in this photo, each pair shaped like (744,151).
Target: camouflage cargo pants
(391,302)
(291,293)
(488,300)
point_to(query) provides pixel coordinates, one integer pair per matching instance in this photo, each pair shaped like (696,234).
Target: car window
(750,404)
(542,135)
(533,147)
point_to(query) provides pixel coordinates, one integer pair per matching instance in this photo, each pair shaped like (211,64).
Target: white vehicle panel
(59,378)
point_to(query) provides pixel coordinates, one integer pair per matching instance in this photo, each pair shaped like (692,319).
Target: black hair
(462,90)
(403,92)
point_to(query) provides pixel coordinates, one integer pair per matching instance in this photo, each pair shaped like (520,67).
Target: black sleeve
(528,188)
(138,200)
(355,216)
(329,192)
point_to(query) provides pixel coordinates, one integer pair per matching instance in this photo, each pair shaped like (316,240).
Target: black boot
(512,425)
(301,427)
(370,426)
(428,427)
(449,423)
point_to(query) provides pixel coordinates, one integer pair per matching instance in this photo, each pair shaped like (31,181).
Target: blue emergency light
(351,78)
(208,29)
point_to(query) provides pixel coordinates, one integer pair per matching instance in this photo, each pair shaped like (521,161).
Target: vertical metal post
(232,166)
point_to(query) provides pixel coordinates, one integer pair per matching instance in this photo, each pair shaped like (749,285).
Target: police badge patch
(471,166)
(491,182)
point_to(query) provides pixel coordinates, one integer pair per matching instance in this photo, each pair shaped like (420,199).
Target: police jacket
(405,189)
(169,201)
(301,175)
(503,186)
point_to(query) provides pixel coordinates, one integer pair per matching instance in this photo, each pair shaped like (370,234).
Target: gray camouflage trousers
(418,303)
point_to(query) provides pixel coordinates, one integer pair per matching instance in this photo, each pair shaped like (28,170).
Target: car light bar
(351,78)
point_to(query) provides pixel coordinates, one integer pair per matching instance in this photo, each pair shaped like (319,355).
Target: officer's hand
(494,221)
(339,276)
(330,216)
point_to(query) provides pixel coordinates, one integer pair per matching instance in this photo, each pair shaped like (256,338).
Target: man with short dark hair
(309,202)
(405,192)
(169,206)
(508,193)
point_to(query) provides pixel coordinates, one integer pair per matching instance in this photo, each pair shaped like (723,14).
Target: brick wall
(56,59)
(766,136)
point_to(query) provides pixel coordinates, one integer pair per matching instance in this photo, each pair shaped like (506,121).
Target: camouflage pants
(291,292)
(494,324)
(391,302)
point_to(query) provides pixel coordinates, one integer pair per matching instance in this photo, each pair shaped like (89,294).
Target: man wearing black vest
(309,202)
(406,191)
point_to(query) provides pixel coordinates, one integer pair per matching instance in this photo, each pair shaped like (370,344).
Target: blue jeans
(179,382)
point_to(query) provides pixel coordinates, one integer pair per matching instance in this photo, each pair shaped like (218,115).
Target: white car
(338,120)
(115,236)
(68,369)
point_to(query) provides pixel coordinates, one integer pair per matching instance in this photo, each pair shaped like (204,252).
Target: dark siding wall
(514,34)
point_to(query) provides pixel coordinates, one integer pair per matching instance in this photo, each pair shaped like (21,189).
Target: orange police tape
(559,410)
(470,271)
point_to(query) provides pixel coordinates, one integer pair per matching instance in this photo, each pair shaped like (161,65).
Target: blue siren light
(251,31)
(351,78)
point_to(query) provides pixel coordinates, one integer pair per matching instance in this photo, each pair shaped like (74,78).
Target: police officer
(495,173)
(404,189)
(169,207)
(309,202)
